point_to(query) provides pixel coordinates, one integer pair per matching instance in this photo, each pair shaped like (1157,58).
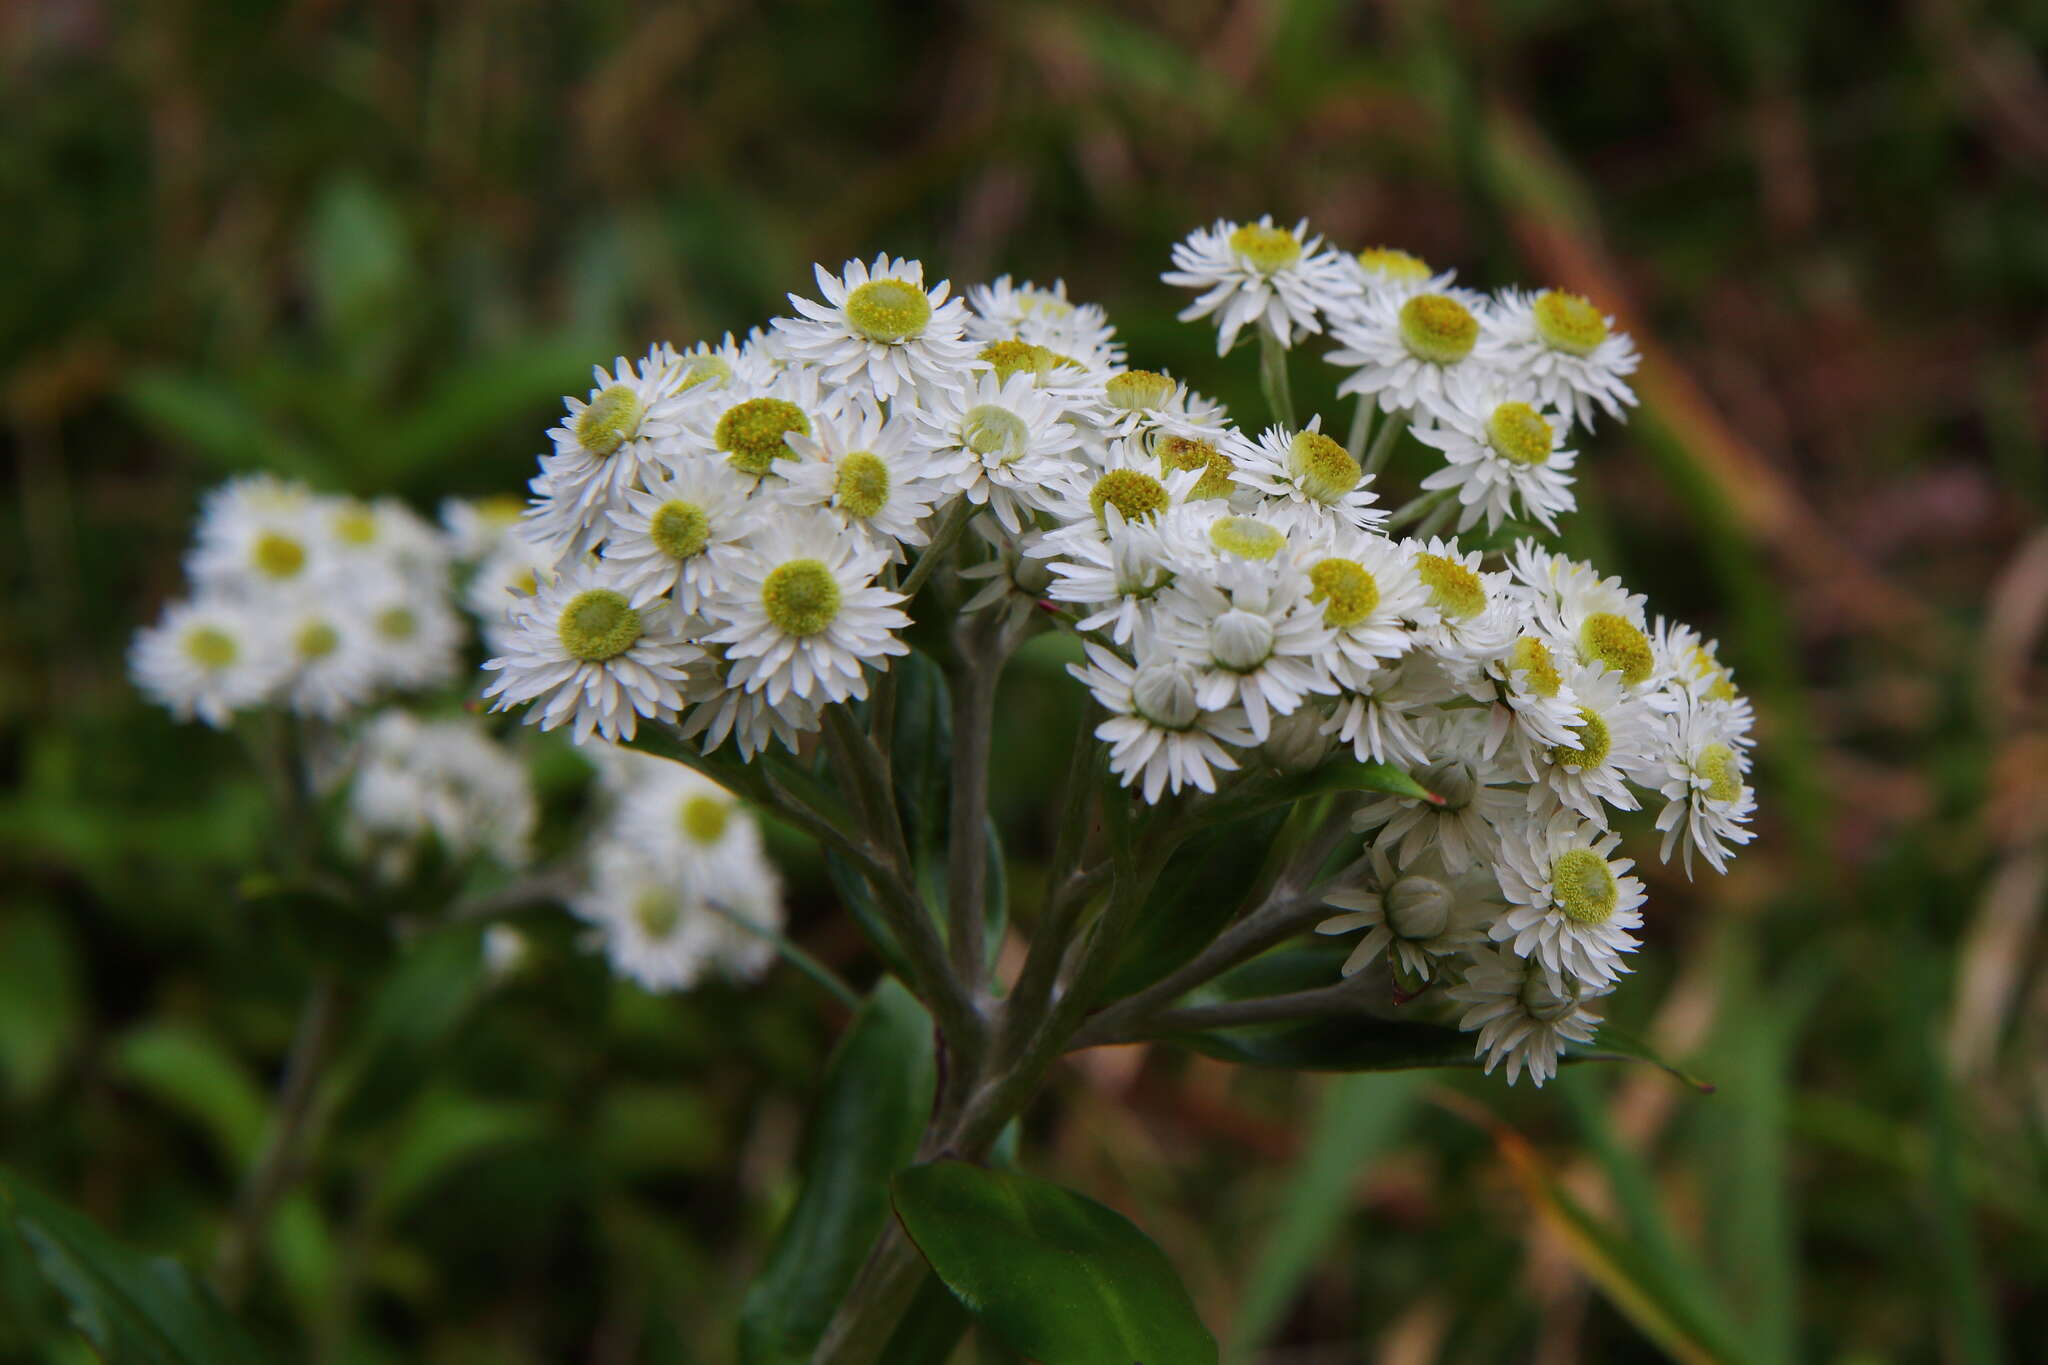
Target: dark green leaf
(921,751)
(1057,1276)
(134,1309)
(193,1074)
(1340,1043)
(419,1005)
(1612,1044)
(876,1097)
(472,400)
(41,1014)
(214,422)
(1194,897)
(930,1328)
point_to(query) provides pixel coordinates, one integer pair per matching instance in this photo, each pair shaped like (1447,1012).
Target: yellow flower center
(317,640)
(1531,658)
(1246,537)
(710,369)
(210,647)
(397,623)
(1266,249)
(1139,497)
(597,624)
(1454,589)
(658,913)
(1322,468)
(1346,589)
(679,529)
(610,420)
(1391,263)
(705,818)
(1717,764)
(801,597)
(1017,356)
(991,430)
(888,310)
(1613,643)
(1138,390)
(861,487)
(1583,886)
(355,524)
(1595,741)
(1519,434)
(1437,328)
(1188,452)
(1568,322)
(751,433)
(279,556)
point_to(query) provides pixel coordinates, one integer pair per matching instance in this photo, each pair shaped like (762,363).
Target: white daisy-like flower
(1013,578)
(802,615)
(1124,486)
(1614,742)
(872,472)
(516,568)
(1253,637)
(1002,442)
(720,711)
(1705,770)
(209,658)
(445,778)
(707,368)
(1404,349)
(1531,687)
(1524,1013)
(748,420)
(1115,577)
(676,536)
(1381,716)
(1502,453)
(1596,618)
(334,662)
(1390,271)
(1160,737)
(384,534)
(1309,471)
(1689,662)
(1475,803)
(1465,613)
(600,450)
(1280,279)
(584,656)
(474,527)
(676,814)
(259,535)
(1076,382)
(1151,404)
(1367,587)
(879,327)
(1026,312)
(652,922)
(1568,349)
(1416,911)
(415,637)
(1572,905)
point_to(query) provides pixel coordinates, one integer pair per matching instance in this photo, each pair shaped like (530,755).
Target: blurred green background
(370,245)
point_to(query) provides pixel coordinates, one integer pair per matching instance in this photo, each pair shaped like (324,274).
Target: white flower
(747,421)
(720,711)
(1525,1013)
(589,659)
(384,534)
(1403,349)
(1704,782)
(654,925)
(880,328)
(1594,618)
(260,535)
(600,450)
(1418,908)
(1308,471)
(675,814)
(1379,716)
(1502,451)
(1613,743)
(1568,349)
(1256,273)
(1254,638)
(1392,272)
(444,778)
(1572,905)
(1159,736)
(677,535)
(872,472)
(209,658)
(1002,442)
(1474,805)
(1532,689)
(1026,312)
(334,662)
(1153,405)
(1465,614)
(414,636)
(1367,587)
(516,568)
(476,527)
(802,615)
(1115,576)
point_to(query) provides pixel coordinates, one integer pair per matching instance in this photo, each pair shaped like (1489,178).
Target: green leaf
(1616,1045)
(191,1073)
(921,751)
(356,260)
(444,1130)
(418,1006)
(1192,900)
(215,422)
(876,1096)
(1057,1276)
(41,1012)
(1357,1043)
(470,401)
(134,1309)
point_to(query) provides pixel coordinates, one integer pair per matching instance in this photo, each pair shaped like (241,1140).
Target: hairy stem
(1273,377)
(1362,411)
(1391,426)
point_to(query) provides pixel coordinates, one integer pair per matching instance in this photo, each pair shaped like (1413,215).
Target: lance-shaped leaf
(1056,1276)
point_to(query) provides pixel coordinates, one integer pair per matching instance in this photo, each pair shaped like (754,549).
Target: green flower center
(1717,764)
(598,624)
(1583,886)
(1568,322)
(397,623)
(1531,658)
(1322,468)
(1613,643)
(1188,452)
(888,310)
(1017,356)
(317,640)
(679,529)
(862,485)
(751,433)
(1391,263)
(991,430)
(801,597)
(657,913)
(710,369)
(1140,497)
(1454,589)
(1595,741)
(1437,328)
(1266,249)
(1246,537)
(1519,434)
(610,420)
(355,525)
(1346,589)
(1138,390)
(210,647)
(279,556)
(705,818)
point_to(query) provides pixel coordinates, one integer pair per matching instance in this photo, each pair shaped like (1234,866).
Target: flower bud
(1241,640)
(1419,907)
(1164,693)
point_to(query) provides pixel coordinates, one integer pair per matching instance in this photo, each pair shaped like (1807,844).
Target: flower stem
(1391,426)
(1273,377)
(1416,508)
(1362,411)
(797,957)
(943,540)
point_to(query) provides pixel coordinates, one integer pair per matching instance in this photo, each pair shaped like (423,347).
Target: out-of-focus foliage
(369,245)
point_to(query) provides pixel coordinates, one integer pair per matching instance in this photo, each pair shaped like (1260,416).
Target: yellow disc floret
(1246,537)
(679,529)
(1322,468)
(397,623)
(1189,452)
(888,310)
(210,647)
(317,640)
(1594,743)
(1717,764)
(1454,589)
(1347,590)
(279,556)
(1519,434)
(355,524)
(1138,390)
(1439,329)
(861,487)
(658,913)
(1568,322)
(1138,496)
(1531,658)
(801,597)
(991,430)
(597,624)
(1391,263)
(1017,356)
(1583,886)
(610,421)
(752,433)
(714,370)
(705,818)
(1266,249)
(1611,642)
